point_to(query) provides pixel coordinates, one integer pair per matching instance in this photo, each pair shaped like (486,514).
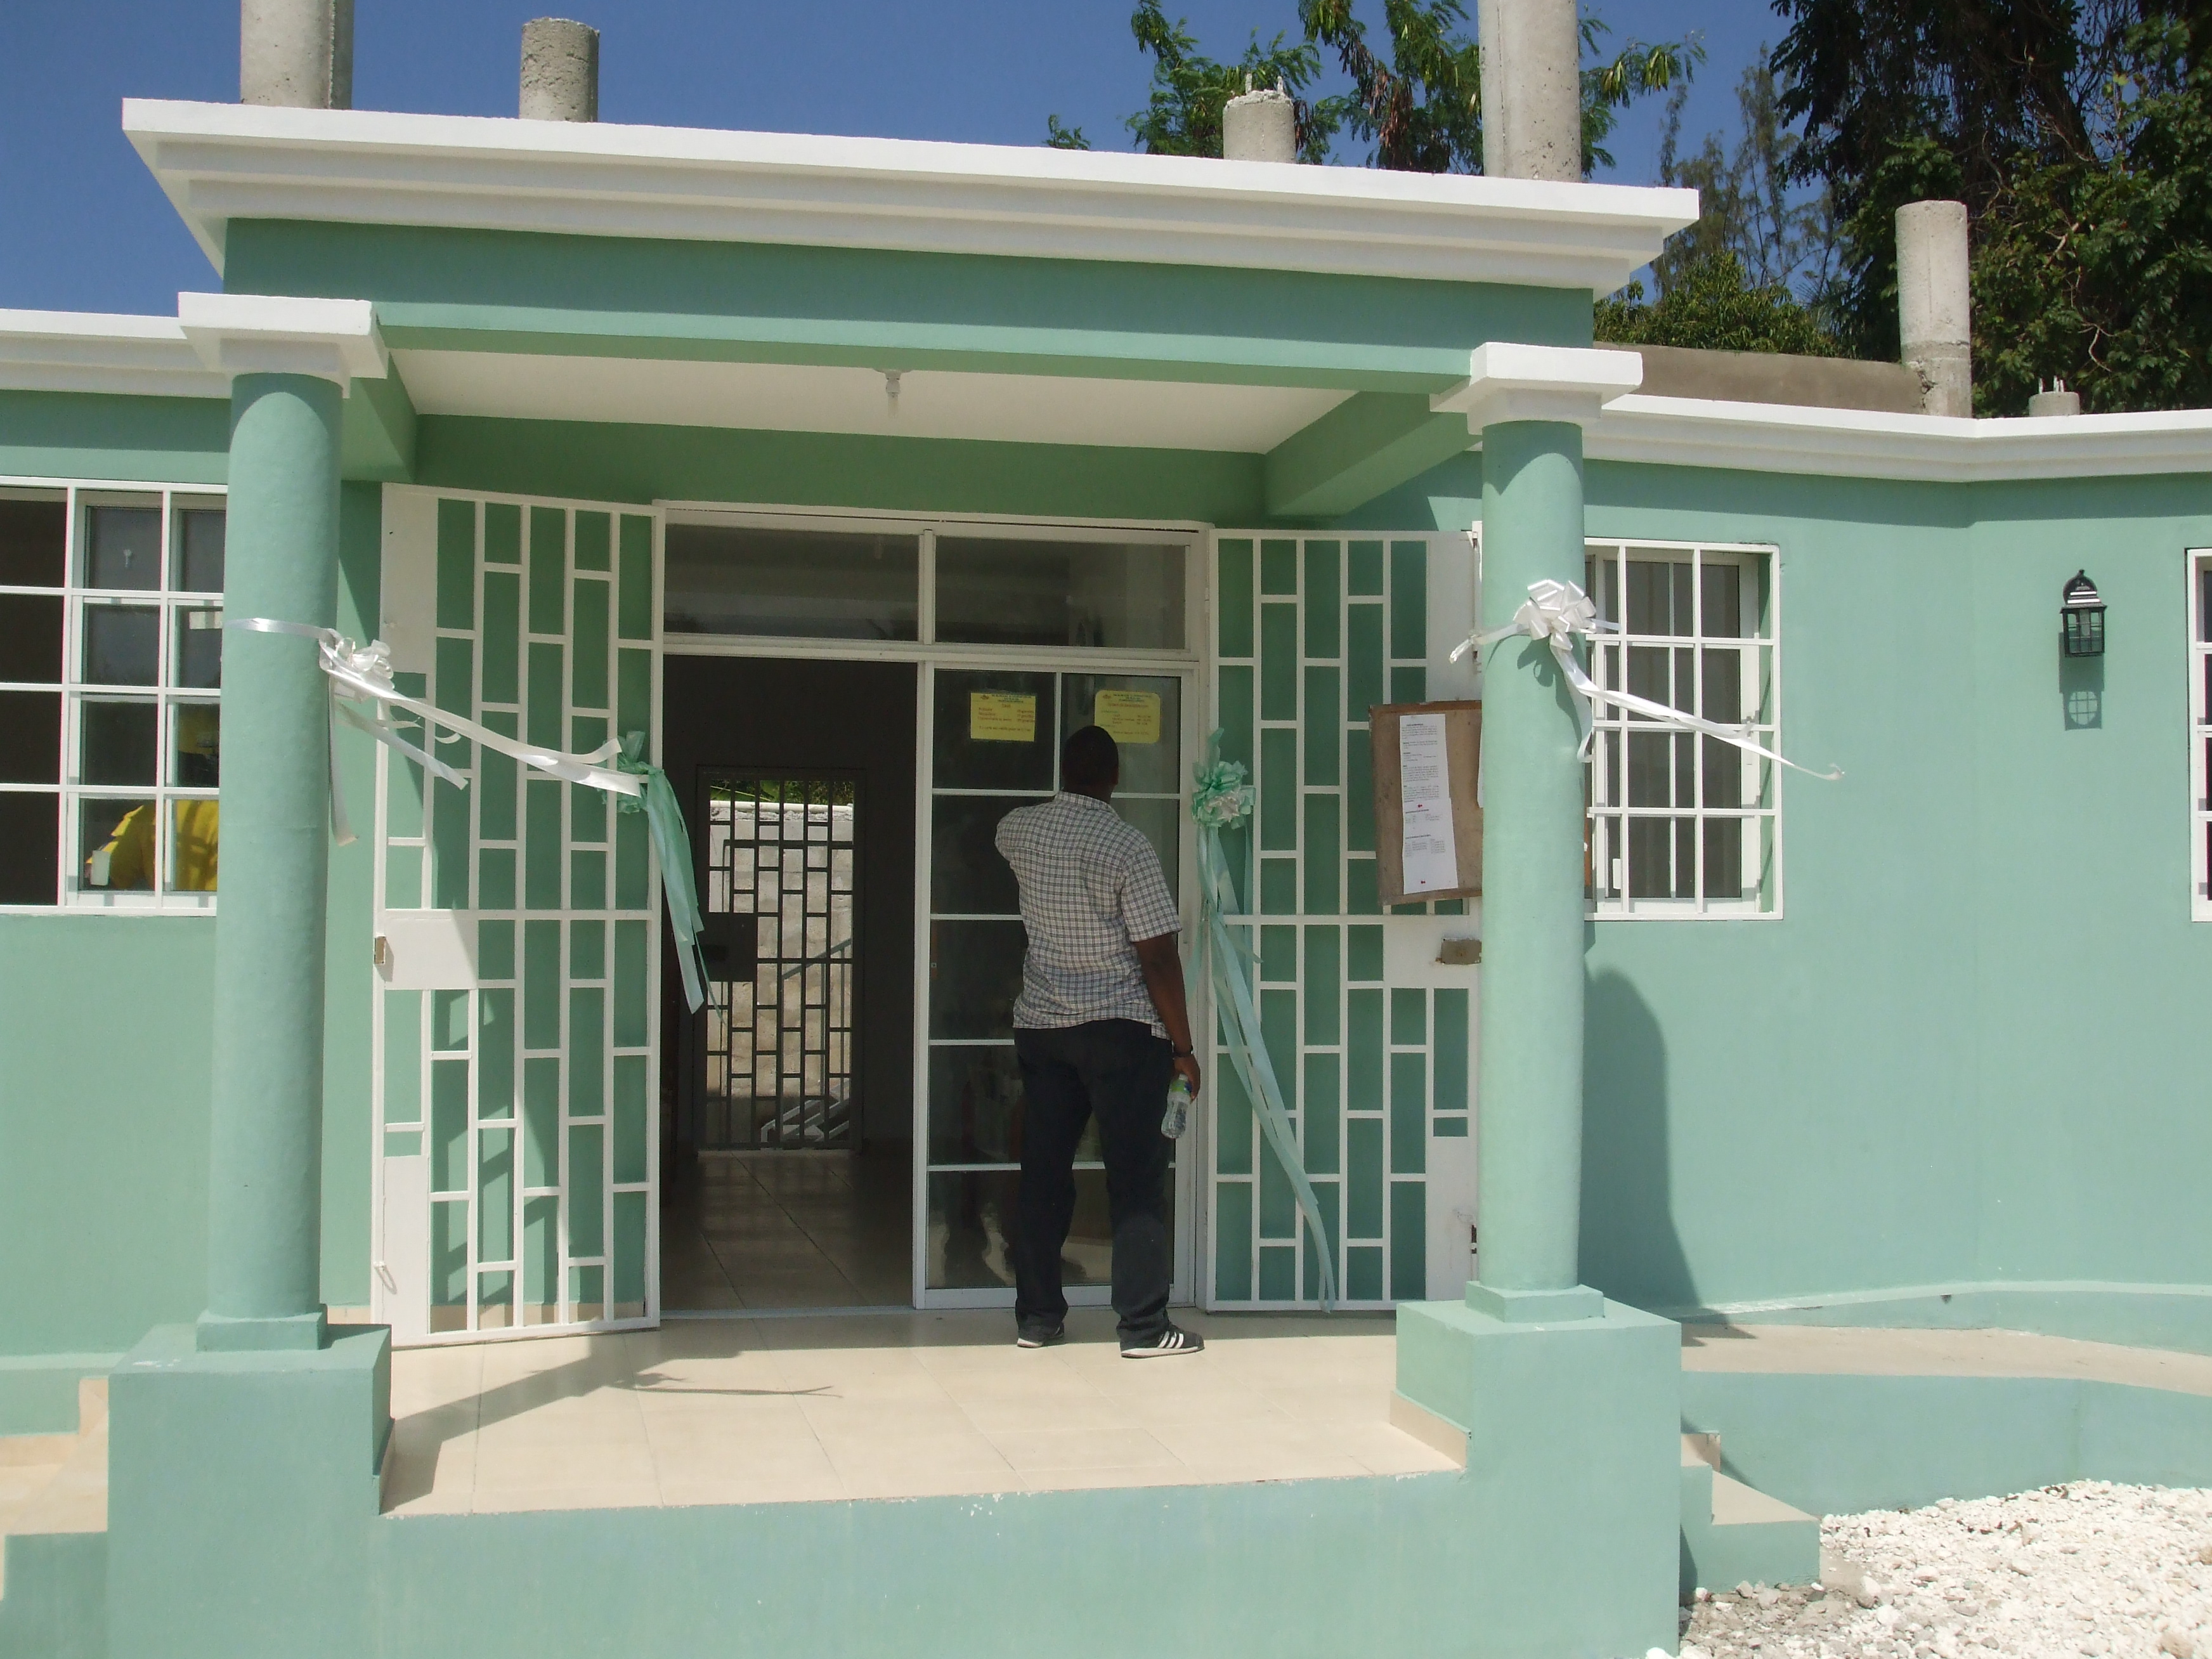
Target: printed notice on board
(1129,716)
(1431,855)
(1001,717)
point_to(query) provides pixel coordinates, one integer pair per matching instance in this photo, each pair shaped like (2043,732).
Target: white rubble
(2090,1568)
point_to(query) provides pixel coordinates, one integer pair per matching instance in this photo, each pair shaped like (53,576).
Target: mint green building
(849,474)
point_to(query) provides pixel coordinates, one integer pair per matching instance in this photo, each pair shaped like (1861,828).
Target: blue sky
(82,227)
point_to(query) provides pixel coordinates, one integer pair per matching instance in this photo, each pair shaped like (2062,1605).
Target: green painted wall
(53,434)
(1970,1049)
(590,461)
(489,290)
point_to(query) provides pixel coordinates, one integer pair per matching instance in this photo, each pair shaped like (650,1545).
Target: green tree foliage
(1183,115)
(1420,111)
(1712,303)
(2078,133)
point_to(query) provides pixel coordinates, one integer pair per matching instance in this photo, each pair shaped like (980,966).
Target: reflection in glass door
(994,739)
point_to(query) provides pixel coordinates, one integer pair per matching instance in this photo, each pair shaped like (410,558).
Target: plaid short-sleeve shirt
(1090,884)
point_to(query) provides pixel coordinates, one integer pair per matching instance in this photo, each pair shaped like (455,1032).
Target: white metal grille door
(517,1018)
(783,853)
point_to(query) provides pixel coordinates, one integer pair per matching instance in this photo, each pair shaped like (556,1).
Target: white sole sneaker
(1172,1340)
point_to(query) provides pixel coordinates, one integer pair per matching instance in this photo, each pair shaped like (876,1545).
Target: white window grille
(2200,732)
(1682,824)
(111,677)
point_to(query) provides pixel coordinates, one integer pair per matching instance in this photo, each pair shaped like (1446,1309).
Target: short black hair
(1090,760)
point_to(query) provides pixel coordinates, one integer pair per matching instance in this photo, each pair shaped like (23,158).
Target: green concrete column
(265,1259)
(1529,1098)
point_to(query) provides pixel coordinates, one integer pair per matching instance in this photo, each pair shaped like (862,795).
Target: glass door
(993,746)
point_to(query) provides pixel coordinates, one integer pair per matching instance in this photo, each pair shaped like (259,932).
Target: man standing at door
(1100,1027)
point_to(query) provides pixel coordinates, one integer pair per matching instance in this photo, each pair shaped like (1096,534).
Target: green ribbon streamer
(1221,799)
(664,817)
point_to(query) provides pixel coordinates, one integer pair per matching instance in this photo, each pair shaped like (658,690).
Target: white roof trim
(218,162)
(1855,443)
(97,352)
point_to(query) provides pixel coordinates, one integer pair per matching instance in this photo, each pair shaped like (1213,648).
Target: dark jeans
(1117,1070)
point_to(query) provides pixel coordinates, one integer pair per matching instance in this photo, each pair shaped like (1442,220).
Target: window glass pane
(31,638)
(1006,591)
(975,975)
(1722,614)
(121,644)
(196,825)
(28,830)
(995,731)
(118,845)
(199,548)
(975,1105)
(120,742)
(32,537)
(967,877)
(123,547)
(196,659)
(1160,822)
(196,762)
(730,579)
(30,737)
(971,1225)
(1143,713)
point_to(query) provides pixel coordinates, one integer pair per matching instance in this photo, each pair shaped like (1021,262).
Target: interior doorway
(788,1100)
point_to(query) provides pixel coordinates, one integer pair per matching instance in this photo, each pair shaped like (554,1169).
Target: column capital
(271,334)
(1510,381)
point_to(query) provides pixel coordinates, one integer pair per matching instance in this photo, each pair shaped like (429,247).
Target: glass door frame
(1185,668)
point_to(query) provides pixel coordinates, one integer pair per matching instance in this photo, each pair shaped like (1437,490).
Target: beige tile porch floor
(885,1406)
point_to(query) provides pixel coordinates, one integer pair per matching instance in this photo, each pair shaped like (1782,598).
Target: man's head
(1090,763)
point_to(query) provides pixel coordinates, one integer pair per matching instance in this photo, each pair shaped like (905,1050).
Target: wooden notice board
(1463,761)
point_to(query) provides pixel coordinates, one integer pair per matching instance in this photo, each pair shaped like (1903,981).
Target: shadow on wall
(1630,1249)
(2081,692)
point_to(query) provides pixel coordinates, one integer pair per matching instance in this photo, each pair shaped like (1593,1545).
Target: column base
(242,1490)
(1535,1307)
(1571,1434)
(218,1333)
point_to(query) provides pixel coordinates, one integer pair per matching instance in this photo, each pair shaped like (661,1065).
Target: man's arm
(1163,970)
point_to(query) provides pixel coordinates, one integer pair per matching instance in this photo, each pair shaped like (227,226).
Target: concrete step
(1733,1534)
(53,1485)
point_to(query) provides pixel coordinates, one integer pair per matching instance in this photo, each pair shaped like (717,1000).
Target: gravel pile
(2111,1572)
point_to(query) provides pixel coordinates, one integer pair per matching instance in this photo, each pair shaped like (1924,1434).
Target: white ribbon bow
(362,673)
(1557,613)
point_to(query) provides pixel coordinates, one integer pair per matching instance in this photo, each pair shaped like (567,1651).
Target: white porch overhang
(224,162)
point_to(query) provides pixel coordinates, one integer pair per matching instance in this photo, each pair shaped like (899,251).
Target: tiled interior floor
(886,1405)
(788,1229)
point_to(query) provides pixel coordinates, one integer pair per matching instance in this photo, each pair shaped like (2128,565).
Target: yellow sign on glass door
(1129,716)
(1001,717)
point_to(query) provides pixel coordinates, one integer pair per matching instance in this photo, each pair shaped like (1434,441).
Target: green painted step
(53,1543)
(1733,1534)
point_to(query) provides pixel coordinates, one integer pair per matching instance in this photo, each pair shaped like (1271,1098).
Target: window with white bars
(1682,824)
(110,677)
(2200,732)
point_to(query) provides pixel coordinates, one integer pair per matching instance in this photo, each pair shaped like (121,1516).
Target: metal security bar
(779,1047)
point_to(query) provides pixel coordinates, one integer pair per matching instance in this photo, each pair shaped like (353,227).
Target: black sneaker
(1172,1340)
(1039,1335)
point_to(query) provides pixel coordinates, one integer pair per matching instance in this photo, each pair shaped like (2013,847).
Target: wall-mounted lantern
(2082,616)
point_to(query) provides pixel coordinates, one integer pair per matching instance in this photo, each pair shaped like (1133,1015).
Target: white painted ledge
(263,334)
(220,161)
(1511,381)
(100,352)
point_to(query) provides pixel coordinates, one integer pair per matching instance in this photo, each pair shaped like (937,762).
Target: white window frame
(1761,779)
(79,496)
(2198,567)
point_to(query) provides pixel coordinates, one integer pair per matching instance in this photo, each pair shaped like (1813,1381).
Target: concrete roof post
(1935,306)
(1532,98)
(1259,126)
(559,70)
(295,53)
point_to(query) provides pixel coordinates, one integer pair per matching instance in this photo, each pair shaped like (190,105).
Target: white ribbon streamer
(1556,613)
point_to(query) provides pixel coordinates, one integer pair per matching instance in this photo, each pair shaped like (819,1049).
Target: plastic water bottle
(1176,1118)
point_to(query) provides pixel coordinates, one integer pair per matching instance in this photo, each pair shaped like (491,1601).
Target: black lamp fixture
(2081,617)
